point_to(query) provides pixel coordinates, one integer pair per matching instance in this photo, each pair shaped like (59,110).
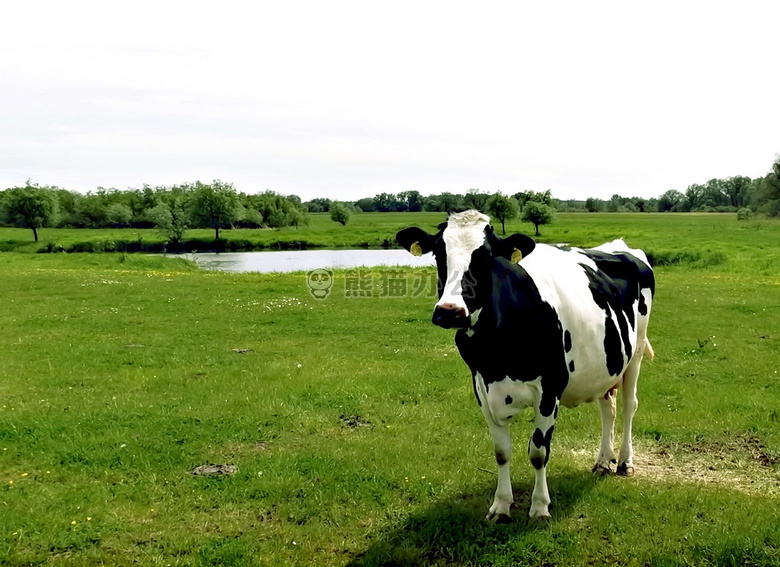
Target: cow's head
(466,249)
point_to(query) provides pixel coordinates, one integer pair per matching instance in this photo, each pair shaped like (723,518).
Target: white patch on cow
(494,396)
(465,233)
(619,245)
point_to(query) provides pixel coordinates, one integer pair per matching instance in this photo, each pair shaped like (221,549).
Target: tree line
(739,194)
(171,209)
(217,205)
(732,194)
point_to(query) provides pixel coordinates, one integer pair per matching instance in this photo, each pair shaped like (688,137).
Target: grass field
(352,422)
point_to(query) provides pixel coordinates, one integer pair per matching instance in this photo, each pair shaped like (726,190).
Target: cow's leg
(607,451)
(499,511)
(539,454)
(630,403)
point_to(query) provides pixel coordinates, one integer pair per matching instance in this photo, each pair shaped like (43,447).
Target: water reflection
(304,260)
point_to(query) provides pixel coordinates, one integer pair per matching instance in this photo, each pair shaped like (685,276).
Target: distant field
(376,230)
(353,424)
(372,230)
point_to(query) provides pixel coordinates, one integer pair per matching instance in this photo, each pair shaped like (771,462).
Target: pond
(304,260)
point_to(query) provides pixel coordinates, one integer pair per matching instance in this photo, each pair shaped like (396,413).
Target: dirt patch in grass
(354,421)
(214,470)
(742,447)
(742,463)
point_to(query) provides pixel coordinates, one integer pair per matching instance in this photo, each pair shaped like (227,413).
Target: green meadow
(351,422)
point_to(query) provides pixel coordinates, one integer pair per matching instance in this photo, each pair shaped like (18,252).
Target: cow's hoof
(624,469)
(539,513)
(499,518)
(601,470)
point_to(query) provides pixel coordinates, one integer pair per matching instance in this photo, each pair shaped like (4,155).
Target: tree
(766,195)
(737,189)
(614,204)
(119,214)
(295,217)
(215,206)
(30,207)
(545,197)
(670,201)
(412,199)
(448,202)
(90,211)
(318,205)
(537,213)
(277,211)
(250,218)
(365,204)
(502,208)
(170,218)
(384,202)
(475,200)
(592,204)
(339,213)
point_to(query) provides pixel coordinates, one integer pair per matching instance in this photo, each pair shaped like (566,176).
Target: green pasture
(352,422)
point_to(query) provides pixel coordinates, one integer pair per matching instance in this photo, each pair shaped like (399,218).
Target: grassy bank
(367,230)
(377,230)
(352,422)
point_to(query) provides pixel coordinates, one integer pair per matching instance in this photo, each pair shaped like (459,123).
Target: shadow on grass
(455,531)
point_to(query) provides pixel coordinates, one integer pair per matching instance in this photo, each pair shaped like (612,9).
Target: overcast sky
(350,99)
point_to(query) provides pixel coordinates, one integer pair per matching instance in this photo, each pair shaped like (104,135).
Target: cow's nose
(449,315)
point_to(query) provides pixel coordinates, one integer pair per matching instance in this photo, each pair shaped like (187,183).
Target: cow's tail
(649,352)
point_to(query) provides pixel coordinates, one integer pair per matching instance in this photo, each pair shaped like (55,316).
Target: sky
(350,99)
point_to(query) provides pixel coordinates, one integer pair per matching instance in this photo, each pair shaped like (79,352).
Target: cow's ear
(514,247)
(415,240)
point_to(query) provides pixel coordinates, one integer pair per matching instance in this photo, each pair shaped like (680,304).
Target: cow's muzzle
(451,316)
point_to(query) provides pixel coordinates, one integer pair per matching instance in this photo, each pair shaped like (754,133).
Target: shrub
(691,258)
(339,213)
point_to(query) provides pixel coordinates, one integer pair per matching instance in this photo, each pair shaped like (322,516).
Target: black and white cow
(541,326)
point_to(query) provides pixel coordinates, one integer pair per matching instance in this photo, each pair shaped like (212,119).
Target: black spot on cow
(508,400)
(512,300)
(642,305)
(623,266)
(616,287)
(538,438)
(567,341)
(612,348)
(537,462)
(542,441)
(571,366)
(549,399)
(500,458)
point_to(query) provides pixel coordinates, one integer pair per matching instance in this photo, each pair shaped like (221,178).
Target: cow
(541,326)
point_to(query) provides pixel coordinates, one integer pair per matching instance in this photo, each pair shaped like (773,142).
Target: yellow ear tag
(516,256)
(415,249)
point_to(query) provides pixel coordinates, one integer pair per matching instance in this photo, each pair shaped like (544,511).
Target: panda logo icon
(319,282)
